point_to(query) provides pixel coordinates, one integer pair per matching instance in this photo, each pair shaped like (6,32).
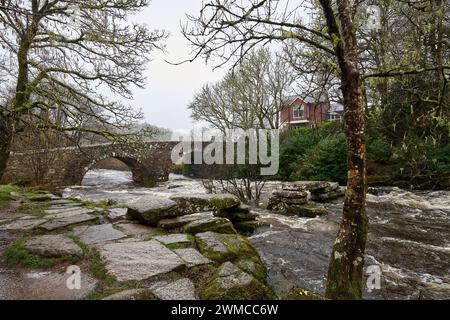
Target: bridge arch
(138,170)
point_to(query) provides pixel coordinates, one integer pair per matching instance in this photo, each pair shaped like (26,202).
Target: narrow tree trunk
(345,273)
(5,144)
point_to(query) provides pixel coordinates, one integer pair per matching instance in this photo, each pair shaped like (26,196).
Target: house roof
(336,107)
(288,100)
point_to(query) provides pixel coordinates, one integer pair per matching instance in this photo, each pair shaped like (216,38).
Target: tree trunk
(345,273)
(5,143)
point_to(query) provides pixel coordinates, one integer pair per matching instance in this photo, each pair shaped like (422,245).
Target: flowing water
(409,239)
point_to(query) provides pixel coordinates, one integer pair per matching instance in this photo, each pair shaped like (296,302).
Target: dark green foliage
(296,144)
(379,150)
(422,163)
(325,162)
(320,154)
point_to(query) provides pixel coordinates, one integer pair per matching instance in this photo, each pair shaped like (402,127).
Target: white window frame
(298,108)
(332,117)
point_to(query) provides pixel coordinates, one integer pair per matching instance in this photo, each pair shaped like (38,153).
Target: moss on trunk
(345,272)
(5,144)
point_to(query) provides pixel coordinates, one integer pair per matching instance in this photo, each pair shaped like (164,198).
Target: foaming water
(117,187)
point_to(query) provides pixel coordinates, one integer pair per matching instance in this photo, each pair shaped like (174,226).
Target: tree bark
(5,143)
(345,274)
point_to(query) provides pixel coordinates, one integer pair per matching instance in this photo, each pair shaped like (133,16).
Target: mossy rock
(297,293)
(235,248)
(219,225)
(307,210)
(232,283)
(205,202)
(256,269)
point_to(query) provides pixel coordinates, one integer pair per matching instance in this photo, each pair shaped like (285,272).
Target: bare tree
(57,56)
(230,29)
(250,96)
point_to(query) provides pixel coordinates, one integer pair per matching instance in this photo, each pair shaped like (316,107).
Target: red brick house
(298,112)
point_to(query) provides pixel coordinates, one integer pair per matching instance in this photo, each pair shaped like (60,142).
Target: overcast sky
(171,88)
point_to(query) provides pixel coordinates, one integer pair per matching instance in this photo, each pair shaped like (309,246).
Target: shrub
(379,150)
(327,161)
(297,143)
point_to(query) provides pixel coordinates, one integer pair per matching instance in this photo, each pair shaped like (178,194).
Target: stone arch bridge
(149,162)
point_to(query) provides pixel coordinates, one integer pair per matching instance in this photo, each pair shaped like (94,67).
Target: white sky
(170,88)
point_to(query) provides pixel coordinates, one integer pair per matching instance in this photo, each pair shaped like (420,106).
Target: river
(409,237)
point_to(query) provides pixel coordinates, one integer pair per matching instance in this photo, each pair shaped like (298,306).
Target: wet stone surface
(139,260)
(42,285)
(98,234)
(53,246)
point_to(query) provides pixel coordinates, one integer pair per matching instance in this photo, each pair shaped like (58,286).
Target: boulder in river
(232,283)
(282,200)
(325,191)
(189,204)
(150,209)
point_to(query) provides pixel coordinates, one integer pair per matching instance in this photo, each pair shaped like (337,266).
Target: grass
(36,209)
(179,245)
(79,243)
(17,255)
(5,194)
(98,269)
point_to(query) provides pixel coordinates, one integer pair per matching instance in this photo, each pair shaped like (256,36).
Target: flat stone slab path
(53,246)
(139,260)
(117,213)
(67,210)
(134,229)
(182,289)
(67,221)
(192,257)
(173,238)
(68,213)
(22,224)
(98,234)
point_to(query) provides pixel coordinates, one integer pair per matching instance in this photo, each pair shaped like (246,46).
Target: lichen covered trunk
(5,144)
(345,274)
